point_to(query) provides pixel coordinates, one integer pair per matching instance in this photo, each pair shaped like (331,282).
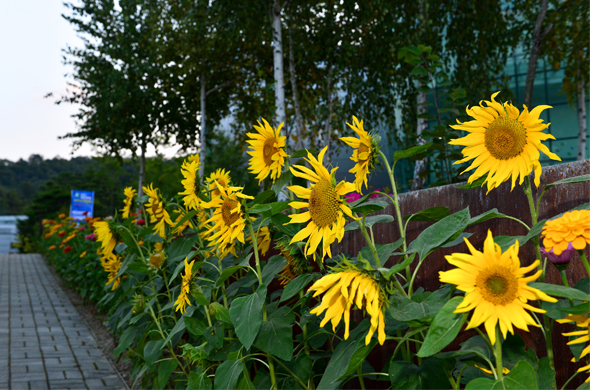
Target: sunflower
(345,289)
(582,322)
(196,159)
(157,211)
(183,297)
(572,227)
(191,185)
(268,154)
(113,266)
(495,287)
(129,193)
(503,142)
(326,204)
(105,237)
(219,177)
(180,228)
(228,219)
(364,155)
(263,239)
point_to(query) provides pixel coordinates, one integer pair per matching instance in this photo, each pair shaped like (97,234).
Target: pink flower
(81,228)
(375,195)
(91,237)
(352,197)
(140,222)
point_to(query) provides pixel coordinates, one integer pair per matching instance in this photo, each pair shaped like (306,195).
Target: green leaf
(246,316)
(263,196)
(226,273)
(430,375)
(475,184)
(384,251)
(125,340)
(443,330)
(282,181)
(180,249)
(369,221)
(414,150)
(545,374)
(276,334)
(194,325)
(358,358)
(418,70)
(522,376)
(440,232)
(221,313)
(259,208)
(569,180)
(490,214)
(404,309)
(303,153)
(185,218)
(164,371)
(370,207)
(179,327)
(561,291)
(227,374)
(338,364)
(198,380)
(275,264)
(432,214)
(180,265)
(296,285)
(506,242)
(152,351)
(552,308)
(200,297)
(579,309)
(396,268)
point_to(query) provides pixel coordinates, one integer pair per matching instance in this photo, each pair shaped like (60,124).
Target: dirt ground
(95,321)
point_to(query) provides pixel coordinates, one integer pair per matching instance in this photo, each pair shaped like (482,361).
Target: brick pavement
(44,343)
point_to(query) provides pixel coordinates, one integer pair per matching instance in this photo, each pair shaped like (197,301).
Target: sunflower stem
(359,372)
(395,198)
(584,260)
(498,353)
(528,190)
(369,241)
(549,342)
(566,284)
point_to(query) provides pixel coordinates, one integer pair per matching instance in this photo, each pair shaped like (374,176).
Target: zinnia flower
(67,249)
(129,194)
(364,154)
(228,218)
(183,297)
(503,142)
(105,237)
(91,237)
(581,322)
(268,154)
(61,234)
(326,204)
(82,254)
(52,247)
(572,227)
(218,178)
(191,185)
(495,286)
(157,211)
(345,289)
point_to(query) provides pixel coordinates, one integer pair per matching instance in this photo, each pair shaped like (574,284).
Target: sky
(32,37)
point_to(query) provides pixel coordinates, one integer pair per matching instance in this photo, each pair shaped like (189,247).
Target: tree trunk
(203,125)
(581,120)
(142,168)
(298,119)
(277,42)
(538,36)
(420,166)
(328,128)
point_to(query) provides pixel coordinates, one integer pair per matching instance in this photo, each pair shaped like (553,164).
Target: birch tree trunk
(203,125)
(422,124)
(328,128)
(538,36)
(293,75)
(277,42)
(142,168)
(582,120)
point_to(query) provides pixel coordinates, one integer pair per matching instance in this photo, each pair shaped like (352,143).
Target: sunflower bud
(156,260)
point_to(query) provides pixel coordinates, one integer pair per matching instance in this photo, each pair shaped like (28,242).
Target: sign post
(82,204)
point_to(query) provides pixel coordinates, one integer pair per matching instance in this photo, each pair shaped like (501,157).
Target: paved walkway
(44,344)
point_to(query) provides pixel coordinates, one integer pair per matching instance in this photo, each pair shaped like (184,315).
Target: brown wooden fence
(556,200)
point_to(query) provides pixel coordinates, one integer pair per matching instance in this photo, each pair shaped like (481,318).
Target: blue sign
(82,204)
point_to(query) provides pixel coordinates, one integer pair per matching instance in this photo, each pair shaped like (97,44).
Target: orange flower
(52,247)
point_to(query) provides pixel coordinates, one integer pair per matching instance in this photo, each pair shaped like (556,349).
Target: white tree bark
(328,128)
(142,168)
(298,119)
(277,42)
(582,120)
(421,99)
(203,125)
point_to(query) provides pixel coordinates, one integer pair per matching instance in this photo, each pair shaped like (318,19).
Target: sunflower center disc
(268,150)
(497,285)
(505,138)
(228,217)
(324,204)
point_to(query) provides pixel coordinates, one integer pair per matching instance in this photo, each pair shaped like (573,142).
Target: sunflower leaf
(282,181)
(414,150)
(475,184)
(443,330)
(296,285)
(370,207)
(569,180)
(263,196)
(246,315)
(490,214)
(561,291)
(276,334)
(580,309)
(369,221)
(227,374)
(522,376)
(186,217)
(432,214)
